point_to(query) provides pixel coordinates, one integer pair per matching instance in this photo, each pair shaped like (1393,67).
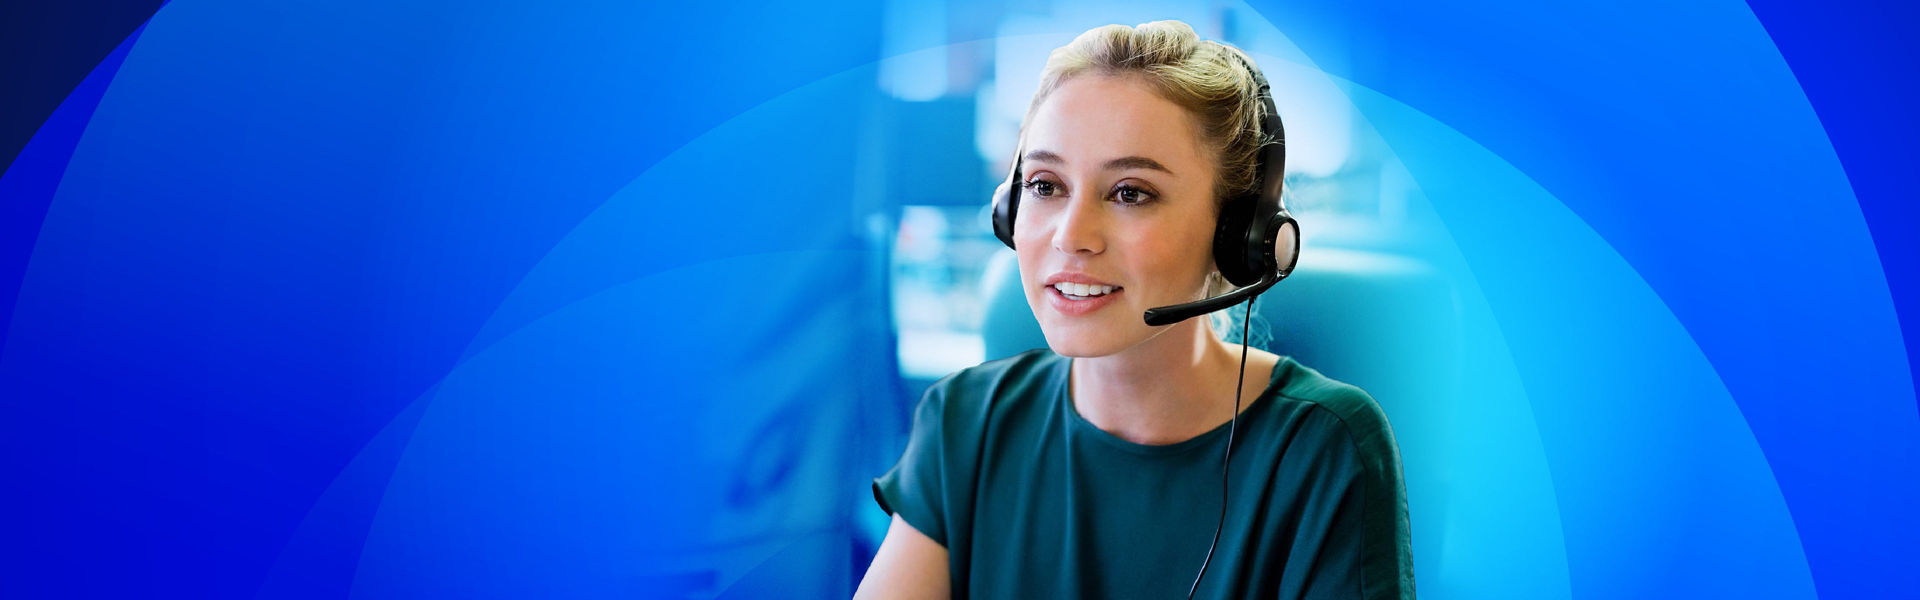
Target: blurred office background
(432,299)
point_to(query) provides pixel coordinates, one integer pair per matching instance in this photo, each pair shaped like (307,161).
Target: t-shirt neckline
(1061,383)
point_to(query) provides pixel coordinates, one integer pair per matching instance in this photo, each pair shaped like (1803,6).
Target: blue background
(506,300)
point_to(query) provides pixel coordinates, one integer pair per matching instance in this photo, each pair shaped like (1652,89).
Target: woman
(1092,469)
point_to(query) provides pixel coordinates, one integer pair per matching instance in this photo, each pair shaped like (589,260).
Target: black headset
(1246,234)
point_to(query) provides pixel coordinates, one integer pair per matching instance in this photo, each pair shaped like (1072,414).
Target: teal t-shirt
(1031,500)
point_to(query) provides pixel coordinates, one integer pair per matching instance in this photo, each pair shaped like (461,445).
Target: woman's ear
(1216,284)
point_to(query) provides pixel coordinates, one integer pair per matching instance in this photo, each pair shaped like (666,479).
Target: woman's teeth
(1083,289)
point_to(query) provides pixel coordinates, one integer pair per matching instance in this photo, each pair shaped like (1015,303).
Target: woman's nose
(1078,228)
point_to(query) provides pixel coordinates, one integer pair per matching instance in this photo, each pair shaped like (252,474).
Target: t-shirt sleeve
(915,488)
(1354,538)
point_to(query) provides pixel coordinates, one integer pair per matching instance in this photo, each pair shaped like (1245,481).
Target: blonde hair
(1210,79)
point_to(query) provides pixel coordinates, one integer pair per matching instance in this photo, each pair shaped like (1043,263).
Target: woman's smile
(1073,293)
(1073,304)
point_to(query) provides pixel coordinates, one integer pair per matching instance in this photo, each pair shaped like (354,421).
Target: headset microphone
(1168,315)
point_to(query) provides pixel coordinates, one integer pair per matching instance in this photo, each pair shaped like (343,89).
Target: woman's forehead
(1099,121)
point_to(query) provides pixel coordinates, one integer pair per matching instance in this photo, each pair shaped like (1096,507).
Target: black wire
(1232,427)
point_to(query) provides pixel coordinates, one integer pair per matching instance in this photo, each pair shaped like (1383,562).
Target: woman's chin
(1084,342)
(1076,351)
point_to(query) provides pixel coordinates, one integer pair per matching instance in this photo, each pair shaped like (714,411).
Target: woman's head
(1133,140)
(1208,79)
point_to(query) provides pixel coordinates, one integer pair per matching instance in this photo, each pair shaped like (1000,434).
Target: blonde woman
(1093,468)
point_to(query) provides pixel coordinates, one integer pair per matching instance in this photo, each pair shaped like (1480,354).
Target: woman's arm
(909,565)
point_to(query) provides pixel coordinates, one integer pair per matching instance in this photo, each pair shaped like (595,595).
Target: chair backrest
(1007,326)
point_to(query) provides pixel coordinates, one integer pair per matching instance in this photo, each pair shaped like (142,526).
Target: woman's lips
(1072,307)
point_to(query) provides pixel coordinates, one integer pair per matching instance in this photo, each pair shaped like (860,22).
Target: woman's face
(1118,194)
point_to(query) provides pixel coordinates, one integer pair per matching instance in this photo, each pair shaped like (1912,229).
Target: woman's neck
(1167,389)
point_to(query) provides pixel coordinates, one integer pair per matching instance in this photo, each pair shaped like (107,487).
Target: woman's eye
(1041,188)
(1128,194)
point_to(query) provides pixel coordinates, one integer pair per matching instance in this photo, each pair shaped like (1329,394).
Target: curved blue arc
(1686,143)
(604,247)
(29,181)
(1632,465)
(1852,59)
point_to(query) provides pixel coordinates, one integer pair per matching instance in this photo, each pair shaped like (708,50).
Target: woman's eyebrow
(1137,162)
(1118,164)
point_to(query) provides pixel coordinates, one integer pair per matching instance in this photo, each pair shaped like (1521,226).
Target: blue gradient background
(435,299)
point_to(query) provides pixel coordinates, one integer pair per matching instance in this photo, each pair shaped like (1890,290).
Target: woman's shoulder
(1343,454)
(1334,404)
(948,442)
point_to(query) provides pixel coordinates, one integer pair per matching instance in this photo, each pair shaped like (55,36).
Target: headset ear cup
(1230,247)
(1006,201)
(1006,205)
(1286,243)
